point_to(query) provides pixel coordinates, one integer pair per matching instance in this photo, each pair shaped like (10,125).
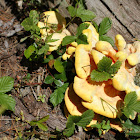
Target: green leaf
(33,123)
(115,67)
(106,38)
(138,118)
(62,76)
(104,64)
(69,131)
(58,66)
(128,111)
(67,40)
(136,106)
(86,118)
(34,15)
(70,126)
(81,27)
(63,88)
(43,49)
(42,126)
(87,15)
(130,99)
(50,57)
(58,83)
(44,119)
(57,96)
(49,39)
(27,24)
(72,11)
(7,102)
(95,25)
(105,25)
(29,51)
(130,104)
(100,76)
(82,39)
(6,84)
(23,39)
(131,129)
(106,125)
(105,70)
(49,80)
(82,120)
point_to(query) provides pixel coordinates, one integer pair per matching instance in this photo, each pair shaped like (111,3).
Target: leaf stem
(70,21)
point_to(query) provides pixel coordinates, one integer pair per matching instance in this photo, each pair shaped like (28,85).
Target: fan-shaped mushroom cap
(82,61)
(97,56)
(120,42)
(101,97)
(43,32)
(134,58)
(94,34)
(54,45)
(121,55)
(73,102)
(106,48)
(52,17)
(73,106)
(65,56)
(124,81)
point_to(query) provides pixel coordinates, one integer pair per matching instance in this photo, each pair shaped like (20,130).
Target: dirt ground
(14,64)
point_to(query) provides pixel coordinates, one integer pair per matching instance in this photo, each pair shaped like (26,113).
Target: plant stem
(70,21)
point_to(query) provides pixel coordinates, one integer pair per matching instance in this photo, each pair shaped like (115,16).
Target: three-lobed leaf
(69,130)
(104,64)
(105,70)
(58,95)
(114,68)
(82,120)
(100,76)
(131,105)
(85,118)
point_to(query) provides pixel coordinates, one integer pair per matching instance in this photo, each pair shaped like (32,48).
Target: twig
(34,93)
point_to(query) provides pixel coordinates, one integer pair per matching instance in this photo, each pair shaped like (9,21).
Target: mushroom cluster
(104,98)
(53,24)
